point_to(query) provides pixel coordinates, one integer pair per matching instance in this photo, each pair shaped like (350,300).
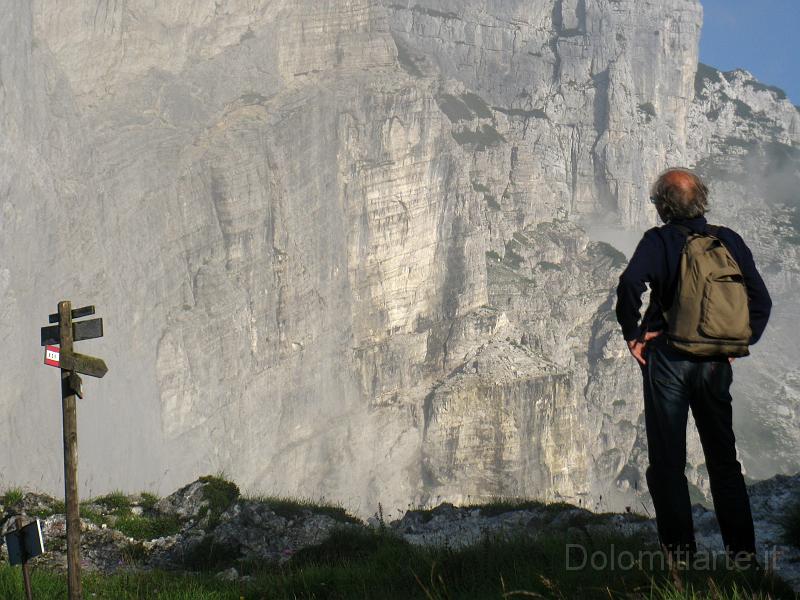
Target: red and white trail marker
(51,356)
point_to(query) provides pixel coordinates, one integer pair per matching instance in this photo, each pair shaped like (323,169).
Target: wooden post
(70,458)
(26,574)
(71,363)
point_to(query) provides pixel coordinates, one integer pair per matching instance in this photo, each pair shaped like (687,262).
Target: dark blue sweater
(656,261)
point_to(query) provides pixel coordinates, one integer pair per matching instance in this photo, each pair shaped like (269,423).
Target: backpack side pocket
(724,313)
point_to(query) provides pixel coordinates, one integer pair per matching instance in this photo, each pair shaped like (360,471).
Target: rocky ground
(207,525)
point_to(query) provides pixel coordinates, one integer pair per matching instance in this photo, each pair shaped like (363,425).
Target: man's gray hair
(680,194)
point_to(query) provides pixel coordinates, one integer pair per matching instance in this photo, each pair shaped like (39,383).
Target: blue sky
(762,36)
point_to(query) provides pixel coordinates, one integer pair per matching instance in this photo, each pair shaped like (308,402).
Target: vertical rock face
(548,404)
(747,144)
(592,96)
(337,244)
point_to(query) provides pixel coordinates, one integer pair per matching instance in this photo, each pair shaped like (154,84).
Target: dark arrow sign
(81,330)
(82,363)
(84,311)
(25,543)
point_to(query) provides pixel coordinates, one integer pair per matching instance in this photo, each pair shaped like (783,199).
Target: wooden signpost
(71,363)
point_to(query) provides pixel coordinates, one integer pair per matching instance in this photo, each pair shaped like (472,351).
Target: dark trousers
(673,382)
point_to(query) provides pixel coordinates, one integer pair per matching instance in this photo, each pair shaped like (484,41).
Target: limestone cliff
(338,244)
(748,146)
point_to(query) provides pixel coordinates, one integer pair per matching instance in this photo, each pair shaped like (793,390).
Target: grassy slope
(367,563)
(370,564)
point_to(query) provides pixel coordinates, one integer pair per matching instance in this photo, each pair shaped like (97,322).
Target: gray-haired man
(674,381)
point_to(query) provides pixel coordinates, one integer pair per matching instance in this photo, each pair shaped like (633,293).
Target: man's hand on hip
(637,347)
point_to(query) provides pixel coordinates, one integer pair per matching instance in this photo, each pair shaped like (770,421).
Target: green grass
(130,586)
(220,494)
(358,562)
(210,556)
(115,511)
(147,528)
(93,515)
(502,505)
(55,509)
(362,563)
(352,546)
(148,501)
(499,506)
(12,496)
(115,501)
(711,591)
(291,508)
(104,510)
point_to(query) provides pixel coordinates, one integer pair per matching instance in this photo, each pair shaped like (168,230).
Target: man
(675,381)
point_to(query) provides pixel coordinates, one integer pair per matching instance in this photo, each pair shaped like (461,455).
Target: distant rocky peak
(735,104)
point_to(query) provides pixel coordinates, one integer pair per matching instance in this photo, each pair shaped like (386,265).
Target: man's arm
(642,268)
(759,301)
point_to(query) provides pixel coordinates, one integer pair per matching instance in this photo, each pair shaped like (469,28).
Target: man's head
(679,194)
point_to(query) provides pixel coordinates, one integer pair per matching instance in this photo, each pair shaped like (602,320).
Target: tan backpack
(709,315)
